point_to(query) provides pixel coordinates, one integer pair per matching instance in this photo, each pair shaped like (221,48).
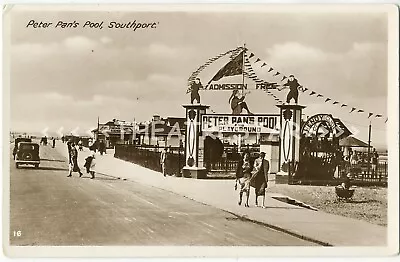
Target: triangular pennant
(283,78)
(312,93)
(277,73)
(378,115)
(258,60)
(352,110)
(370,114)
(251,55)
(305,89)
(328,99)
(360,111)
(264,64)
(386,120)
(344,105)
(319,95)
(336,102)
(270,69)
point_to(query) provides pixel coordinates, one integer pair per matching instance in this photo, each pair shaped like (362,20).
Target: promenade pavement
(317,226)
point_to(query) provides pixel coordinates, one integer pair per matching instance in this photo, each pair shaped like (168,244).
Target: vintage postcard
(200,130)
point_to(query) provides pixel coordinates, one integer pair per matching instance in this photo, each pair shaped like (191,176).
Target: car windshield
(27,147)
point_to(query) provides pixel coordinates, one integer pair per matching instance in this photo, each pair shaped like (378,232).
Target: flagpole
(244,50)
(369,145)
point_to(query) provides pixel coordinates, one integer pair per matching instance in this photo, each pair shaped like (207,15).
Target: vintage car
(27,154)
(17,141)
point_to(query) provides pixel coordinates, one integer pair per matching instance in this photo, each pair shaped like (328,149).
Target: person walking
(259,178)
(102,147)
(375,158)
(90,164)
(354,158)
(74,167)
(80,145)
(239,170)
(163,161)
(54,142)
(244,181)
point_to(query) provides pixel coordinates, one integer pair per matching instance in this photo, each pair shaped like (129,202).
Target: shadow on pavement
(53,168)
(52,160)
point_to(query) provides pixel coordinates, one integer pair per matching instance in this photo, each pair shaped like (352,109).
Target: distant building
(115,132)
(162,132)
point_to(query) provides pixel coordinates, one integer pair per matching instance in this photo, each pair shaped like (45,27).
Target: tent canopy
(351,141)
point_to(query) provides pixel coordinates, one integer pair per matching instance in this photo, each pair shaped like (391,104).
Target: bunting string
(283,77)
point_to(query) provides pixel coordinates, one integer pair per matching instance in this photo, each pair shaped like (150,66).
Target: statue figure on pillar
(194,91)
(237,103)
(294,87)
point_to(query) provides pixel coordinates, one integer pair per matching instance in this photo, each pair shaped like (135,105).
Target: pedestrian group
(255,175)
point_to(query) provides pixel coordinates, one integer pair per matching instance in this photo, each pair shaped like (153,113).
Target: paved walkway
(317,226)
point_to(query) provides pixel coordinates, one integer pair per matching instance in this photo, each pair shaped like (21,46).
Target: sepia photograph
(200,130)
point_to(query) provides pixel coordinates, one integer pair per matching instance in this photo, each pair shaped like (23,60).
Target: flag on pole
(378,115)
(370,114)
(258,60)
(277,73)
(352,110)
(251,55)
(283,78)
(336,102)
(360,111)
(328,99)
(232,68)
(270,69)
(312,93)
(319,95)
(264,64)
(344,105)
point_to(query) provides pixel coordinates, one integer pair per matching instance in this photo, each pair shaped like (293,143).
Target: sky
(70,76)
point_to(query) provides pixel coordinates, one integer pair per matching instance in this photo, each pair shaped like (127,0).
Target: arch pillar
(289,142)
(194,144)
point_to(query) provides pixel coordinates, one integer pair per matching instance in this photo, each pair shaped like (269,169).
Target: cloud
(162,50)
(294,52)
(79,44)
(106,40)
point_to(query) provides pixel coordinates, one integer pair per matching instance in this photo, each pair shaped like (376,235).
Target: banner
(241,123)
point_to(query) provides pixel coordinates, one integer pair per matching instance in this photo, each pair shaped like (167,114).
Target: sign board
(241,123)
(114,129)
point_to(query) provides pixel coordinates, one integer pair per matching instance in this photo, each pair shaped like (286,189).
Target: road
(48,208)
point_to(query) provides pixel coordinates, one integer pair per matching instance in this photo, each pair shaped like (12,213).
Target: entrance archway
(319,149)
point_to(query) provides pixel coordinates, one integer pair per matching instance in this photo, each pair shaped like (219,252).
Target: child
(90,164)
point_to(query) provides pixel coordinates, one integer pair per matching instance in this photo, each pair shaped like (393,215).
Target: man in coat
(259,178)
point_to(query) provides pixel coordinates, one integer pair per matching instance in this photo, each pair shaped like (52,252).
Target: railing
(224,165)
(360,172)
(149,157)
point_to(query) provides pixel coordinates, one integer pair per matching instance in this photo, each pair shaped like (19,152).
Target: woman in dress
(74,161)
(244,181)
